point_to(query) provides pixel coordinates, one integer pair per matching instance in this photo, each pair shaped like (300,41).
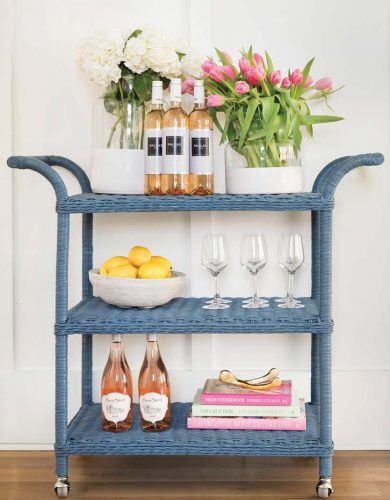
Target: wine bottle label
(175,151)
(153,151)
(201,157)
(116,406)
(153,406)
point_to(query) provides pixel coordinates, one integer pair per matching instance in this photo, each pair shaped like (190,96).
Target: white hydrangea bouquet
(126,64)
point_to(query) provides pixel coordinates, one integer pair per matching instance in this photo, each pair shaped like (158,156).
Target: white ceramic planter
(265,180)
(117,171)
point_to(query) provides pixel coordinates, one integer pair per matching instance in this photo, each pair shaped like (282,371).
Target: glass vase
(119,117)
(117,165)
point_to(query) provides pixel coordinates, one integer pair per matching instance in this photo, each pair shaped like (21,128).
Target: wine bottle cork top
(117,337)
(151,337)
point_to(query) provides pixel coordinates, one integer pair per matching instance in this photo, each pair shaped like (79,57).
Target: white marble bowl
(127,292)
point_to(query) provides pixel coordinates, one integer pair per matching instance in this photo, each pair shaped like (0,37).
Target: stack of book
(224,406)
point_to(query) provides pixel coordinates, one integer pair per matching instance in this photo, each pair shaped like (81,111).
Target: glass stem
(254,278)
(217,291)
(290,287)
(215,287)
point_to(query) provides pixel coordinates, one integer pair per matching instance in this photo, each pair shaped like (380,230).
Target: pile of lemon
(139,264)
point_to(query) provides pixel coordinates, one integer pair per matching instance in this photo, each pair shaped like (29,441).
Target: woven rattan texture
(94,203)
(87,437)
(186,315)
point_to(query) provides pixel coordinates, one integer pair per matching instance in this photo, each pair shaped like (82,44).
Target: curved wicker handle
(330,176)
(43,164)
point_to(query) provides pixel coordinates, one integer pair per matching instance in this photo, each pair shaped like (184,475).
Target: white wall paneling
(46,109)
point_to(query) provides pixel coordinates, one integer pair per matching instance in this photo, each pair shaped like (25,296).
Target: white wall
(46,103)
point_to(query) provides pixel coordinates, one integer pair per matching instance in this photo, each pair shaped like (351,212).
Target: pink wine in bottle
(117,390)
(154,390)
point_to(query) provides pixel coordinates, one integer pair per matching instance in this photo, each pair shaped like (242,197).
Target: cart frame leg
(322,253)
(61,486)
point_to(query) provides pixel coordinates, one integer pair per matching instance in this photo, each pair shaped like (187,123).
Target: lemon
(139,255)
(163,261)
(152,271)
(113,262)
(124,271)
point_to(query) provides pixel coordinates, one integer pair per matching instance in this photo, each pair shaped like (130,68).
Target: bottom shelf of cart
(86,437)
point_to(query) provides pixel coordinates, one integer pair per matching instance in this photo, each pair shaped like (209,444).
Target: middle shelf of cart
(186,315)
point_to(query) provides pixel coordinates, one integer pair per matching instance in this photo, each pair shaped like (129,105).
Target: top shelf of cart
(100,203)
(321,197)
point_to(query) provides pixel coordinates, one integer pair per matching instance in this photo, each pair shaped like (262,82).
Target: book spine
(244,411)
(272,424)
(245,400)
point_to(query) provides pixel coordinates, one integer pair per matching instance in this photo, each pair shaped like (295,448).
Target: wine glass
(215,260)
(220,299)
(291,258)
(254,258)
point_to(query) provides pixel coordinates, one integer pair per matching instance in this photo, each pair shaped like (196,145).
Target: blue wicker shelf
(100,203)
(185,315)
(86,437)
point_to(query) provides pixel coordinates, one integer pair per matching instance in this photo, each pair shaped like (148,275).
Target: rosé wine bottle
(175,165)
(154,390)
(153,141)
(117,390)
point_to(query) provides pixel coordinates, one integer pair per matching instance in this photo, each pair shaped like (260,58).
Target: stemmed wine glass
(254,258)
(291,258)
(215,260)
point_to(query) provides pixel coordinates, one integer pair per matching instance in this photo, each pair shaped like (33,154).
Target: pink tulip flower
(208,65)
(228,57)
(296,77)
(286,83)
(255,76)
(215,100)
(324,84)
(229,71)
(244,64)
(275,77)
(258,59)
(242,87)
(308,82)
(217,74)
(187,87)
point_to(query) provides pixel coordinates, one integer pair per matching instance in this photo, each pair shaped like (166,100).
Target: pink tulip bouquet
(263,109)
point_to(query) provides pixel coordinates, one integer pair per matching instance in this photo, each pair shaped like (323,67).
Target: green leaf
(135,34)
(227,124)
(270,108)
(309,129)
(297,135)
(143,86)
(311,120)
(270,66)
(240,116)
(221,57)
(306,70)
(252,106)
(213,114)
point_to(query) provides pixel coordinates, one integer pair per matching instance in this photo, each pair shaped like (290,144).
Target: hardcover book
(216,392)
(251,423)
(199,410)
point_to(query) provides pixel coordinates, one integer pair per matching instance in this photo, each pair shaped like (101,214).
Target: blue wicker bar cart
(83,435)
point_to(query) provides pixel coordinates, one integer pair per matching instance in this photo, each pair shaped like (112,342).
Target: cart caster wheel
(324,487)
(62,487)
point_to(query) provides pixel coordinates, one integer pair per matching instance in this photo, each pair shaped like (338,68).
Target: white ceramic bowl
(127,292)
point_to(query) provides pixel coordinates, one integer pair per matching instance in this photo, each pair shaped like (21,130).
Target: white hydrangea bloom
(151,49)
(191,64)
(101,55)
(134,54)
